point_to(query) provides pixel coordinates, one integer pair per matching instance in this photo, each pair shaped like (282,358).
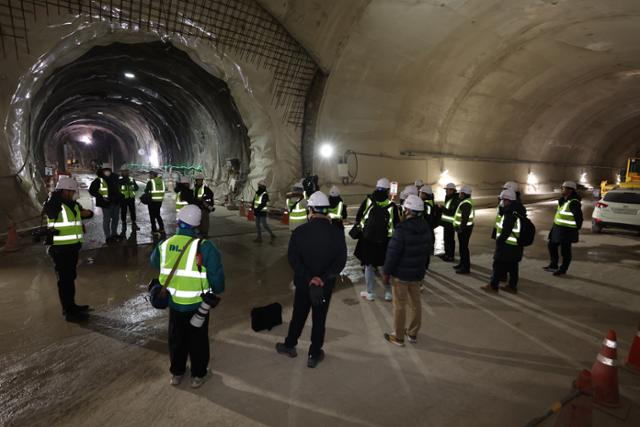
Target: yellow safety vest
(515,232)
(69,226)
(179,202)
(127,190)
(297,213)
(386,204)
(564,217)
(457,219)
(444,217)
(157,189)
(200,193)
(104,188)
(336,213)
(257,200)
(187,284)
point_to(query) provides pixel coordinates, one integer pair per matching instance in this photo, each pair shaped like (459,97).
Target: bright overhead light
(326,150)
(129,75)
(532,179)
(86,138)
(100,112)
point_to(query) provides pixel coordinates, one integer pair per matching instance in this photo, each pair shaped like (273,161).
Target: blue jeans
(110,217)
(261,221)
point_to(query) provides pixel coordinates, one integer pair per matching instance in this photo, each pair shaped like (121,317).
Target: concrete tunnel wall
(553,83)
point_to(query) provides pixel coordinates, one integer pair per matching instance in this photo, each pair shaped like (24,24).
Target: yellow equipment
(628,179)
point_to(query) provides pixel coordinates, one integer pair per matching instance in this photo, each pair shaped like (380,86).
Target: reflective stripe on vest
(386,204)
(336,213)
(200,193)
(428,207)
(297,213)
(498,221)
(188,283)
(127,190)
(104,188)
(157,190)
(444,217)
(69,226)
(515,232)
(257,200)
(457,219)
(564,217)
(179,203)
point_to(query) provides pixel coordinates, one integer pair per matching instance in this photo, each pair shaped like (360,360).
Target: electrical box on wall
(343,170)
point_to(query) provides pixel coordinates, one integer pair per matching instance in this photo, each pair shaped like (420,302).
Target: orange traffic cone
(285,218)
(633,360)
(250,215)
(12,238)
(604,373)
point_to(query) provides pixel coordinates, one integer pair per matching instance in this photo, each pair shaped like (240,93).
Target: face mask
(107,174)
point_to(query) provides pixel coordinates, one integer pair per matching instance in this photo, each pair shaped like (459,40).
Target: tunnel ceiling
(145,98)
(551,80)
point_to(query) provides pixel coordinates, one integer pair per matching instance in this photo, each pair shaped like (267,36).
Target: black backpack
(266,317)
(527,231)
(376,227)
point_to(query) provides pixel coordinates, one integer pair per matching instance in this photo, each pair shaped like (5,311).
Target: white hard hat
(411,189)
(508,194)
(383,183)
(418,183)
(426,189)
(334,191)
(413,203)
(465,189)
(199,176)
(318,200)
(67,183)
(511,185)
(450,186)
(190,214)
(299,184)
(570,184)
(262,183)
(184,180)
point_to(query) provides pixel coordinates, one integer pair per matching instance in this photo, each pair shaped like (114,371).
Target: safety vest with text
(564,217)
(188,283)
(157,189)
(69,226)
(515,232)
(457,219)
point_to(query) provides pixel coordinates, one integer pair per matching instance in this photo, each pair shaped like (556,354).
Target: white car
(618,208)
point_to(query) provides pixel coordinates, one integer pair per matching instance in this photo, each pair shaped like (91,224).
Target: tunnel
(342,96)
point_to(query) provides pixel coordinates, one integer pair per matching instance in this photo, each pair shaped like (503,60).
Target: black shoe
(463,271)
(283,349)
(509,289)
(446,258)
(123,234)
(559,272)
(552,268)
(82,308)
(313,361)
(76,317)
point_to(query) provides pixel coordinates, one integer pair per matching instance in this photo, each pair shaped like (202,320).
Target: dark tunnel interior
(148,104)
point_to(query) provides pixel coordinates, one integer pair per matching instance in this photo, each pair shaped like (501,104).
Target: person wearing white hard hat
(184,193)
(374,224)
(106,190)
(515,205)
(408,190)
(153,197)
(200,274)
(404,268)
(508,251)
(296,205)
(337,207)
(448,211)
(204,199)
(463,226)
(260,210)
(430,214)
(567,223)
(317,254)
(64,221)
(128,188)
(418,183)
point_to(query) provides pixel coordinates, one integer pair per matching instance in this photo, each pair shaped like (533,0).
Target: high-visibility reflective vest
(127,190)
(457,219)
(336,213)
(564,217)
(297,212)
(444,217)
(69,226)
(386,204)
(257,200)
(188,283)
(200,193)
(515,232)
(157,189)
(104,188)
(498,221)
(428,208)
(179,202)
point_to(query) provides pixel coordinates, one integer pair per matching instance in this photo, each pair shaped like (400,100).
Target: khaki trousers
(406,294)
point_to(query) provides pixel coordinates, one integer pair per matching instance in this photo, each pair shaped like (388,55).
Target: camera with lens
(209,301)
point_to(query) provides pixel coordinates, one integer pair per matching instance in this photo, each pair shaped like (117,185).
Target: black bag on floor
(266,317)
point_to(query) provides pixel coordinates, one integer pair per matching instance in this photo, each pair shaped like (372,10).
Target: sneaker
(283,349)
(552,268)
(490,289)
(394,340)
(313,361)
(412,338)
(369,296)
(388,296)
(559,273)
(176,379)
(197,382)
(509,289)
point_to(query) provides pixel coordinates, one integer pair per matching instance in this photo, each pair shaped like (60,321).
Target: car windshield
(620,197)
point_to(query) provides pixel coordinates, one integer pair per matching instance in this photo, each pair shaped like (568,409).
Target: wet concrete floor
(481,360)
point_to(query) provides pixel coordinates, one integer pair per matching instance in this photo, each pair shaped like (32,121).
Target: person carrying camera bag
(197,279)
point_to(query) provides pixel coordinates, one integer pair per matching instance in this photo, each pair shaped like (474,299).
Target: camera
(209,301)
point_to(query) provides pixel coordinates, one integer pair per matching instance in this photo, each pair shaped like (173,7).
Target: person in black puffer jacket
(404,268)
(567,223)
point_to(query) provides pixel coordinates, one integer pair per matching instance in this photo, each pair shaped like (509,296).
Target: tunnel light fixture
(86,138)
(326,150)
(129,75)
(583,178)
(532,183)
